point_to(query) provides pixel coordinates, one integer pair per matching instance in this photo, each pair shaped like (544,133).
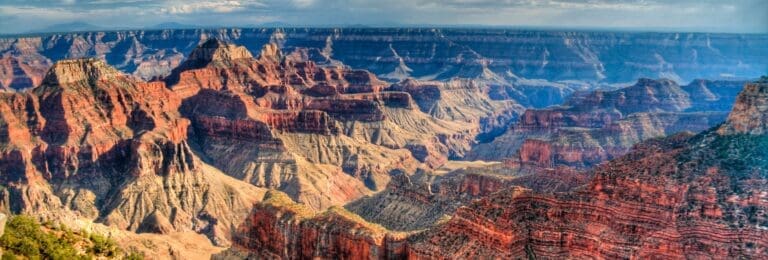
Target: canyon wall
(682,196)
(686,195)
(92,143)
(291,154)
(500,55)
(594,127)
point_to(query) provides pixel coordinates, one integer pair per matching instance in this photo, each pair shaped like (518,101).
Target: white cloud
(303,3)
(199,7)
(741,15)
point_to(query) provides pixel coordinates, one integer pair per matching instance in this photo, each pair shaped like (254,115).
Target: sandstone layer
(594,127)
(295,155)
(325,135)
(92,142)
(677,197)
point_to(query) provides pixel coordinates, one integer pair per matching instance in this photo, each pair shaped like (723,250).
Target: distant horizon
(277,25)
(708,16)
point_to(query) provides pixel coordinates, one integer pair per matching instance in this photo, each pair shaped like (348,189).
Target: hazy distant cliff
(494,54)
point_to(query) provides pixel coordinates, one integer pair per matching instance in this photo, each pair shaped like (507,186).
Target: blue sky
(18,16)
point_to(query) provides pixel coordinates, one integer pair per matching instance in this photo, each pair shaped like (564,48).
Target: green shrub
(23,236)
(103,246)
(133,255)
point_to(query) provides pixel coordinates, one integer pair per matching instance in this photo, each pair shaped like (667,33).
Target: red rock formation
(598,126)
(279,228)
(537,152)
(421,201)
(95,143)
(749,112)
(18,74)
(679,197)
(304,113)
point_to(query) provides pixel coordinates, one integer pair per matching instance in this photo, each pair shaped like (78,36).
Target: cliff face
(198,150)
(463,100)
(159,157)
(749,112)
(92,142)
(423,200)
(597,126)
(280,228)
(426,54)
(307,129)
(677,197)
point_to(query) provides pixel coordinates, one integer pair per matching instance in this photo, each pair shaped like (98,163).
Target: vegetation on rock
(25,238)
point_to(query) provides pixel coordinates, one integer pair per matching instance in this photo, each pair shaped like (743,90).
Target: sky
(738,16)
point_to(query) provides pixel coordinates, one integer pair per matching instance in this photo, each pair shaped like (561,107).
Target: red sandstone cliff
(95,143)
(595,127)
(304,128)
(281,229)
(678,197)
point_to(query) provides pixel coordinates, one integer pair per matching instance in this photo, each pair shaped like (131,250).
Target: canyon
(681,196)
(195,151)
(686,195)
(294,143)
(545,63)
(598,126)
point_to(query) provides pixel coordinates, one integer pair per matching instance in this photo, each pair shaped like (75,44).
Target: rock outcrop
(675,197)
(92,142)
(421,201)
(749,112)
(463,100)
(307,129)
(280,228)
(598,126)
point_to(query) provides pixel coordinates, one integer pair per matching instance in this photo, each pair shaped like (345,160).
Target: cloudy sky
(19,16)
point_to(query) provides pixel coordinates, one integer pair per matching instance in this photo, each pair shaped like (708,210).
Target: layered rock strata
(676,197)
(598,126)
(323,134)
(92,142)
(424,53)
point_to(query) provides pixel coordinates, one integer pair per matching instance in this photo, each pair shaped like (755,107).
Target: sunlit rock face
(749,112)
(93,143)
(286,152)
(509,56)
(677,197)
(686,195)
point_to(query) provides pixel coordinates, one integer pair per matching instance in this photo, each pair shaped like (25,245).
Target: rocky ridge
(198,151)
(501,55)
(92,142)
(675,197)
(598,126)
(748,115)
(344,129)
